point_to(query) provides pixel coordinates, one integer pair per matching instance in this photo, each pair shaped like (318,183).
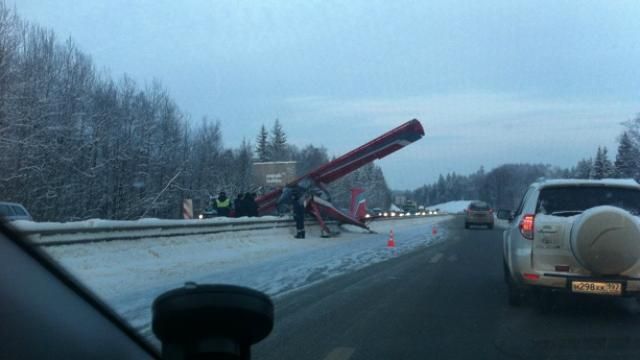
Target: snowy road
(447,301)
(130,274)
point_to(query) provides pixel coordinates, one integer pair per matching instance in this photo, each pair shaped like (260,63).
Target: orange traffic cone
(391,242)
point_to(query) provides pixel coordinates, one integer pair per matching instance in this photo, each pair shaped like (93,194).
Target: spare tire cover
(606,240)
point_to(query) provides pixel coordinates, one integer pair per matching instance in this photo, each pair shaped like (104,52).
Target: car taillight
(530,276)
(527,225)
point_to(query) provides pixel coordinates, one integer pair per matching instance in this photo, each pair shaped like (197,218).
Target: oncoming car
(574,236)
(478,213)
(14,211)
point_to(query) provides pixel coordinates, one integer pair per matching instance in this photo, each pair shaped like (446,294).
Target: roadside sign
(187,209)
(274,173)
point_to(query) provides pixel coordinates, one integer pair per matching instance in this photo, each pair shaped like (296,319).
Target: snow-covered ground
(130,274)
(452,207)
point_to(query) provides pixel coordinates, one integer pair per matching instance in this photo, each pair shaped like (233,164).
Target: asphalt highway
(447,301)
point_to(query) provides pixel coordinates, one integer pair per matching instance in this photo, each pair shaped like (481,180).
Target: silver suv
(576,236)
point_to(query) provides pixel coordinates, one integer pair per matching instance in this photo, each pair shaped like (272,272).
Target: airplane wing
(377,148)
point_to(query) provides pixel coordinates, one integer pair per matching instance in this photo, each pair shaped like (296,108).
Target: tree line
(77,144)
(504,186)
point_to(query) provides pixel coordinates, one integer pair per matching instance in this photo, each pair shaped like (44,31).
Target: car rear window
(575,199)
(18,211)
(479,206)
(5,210)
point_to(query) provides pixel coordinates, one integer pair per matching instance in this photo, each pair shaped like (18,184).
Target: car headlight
(200,216)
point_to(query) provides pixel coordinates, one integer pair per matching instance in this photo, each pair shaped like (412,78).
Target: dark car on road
(478,213)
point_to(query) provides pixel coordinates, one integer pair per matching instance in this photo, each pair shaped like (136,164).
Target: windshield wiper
(566,212)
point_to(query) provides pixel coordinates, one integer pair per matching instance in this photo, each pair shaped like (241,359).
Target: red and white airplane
(314,182)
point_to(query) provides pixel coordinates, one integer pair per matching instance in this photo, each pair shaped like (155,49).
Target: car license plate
(597,287)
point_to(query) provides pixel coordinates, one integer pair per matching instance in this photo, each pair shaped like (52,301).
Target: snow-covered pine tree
(309,158)
(278,143)
(598,168)
(626,163)
(608,169)
(243,167)
(583,169)
(262,145)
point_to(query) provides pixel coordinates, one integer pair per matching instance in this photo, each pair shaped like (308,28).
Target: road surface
(447,301)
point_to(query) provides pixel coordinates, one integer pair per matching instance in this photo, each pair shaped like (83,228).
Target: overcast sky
(491,81)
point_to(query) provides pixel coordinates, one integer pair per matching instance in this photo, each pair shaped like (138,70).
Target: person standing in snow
(223,204)
(238,205)
(293,198)
(298,213)
(250,205)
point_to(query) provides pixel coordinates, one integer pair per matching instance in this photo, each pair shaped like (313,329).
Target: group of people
(244,205)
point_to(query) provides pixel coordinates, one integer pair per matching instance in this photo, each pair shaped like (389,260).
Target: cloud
(464,130)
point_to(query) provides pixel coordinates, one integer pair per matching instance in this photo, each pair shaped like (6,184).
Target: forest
(77,144)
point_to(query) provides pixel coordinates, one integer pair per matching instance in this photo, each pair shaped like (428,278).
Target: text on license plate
(596,287)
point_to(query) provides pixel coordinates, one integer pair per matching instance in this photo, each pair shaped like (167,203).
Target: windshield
(346,158)
(479,207)
(6,210)
(575,199)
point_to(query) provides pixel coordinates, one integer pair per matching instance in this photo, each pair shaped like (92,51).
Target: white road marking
(340,353)
(436,258)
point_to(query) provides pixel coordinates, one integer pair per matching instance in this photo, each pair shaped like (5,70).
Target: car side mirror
(503,214)
(211,321)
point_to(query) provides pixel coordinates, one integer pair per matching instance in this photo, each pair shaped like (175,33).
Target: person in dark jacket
(223,204)
(250,205)
(298,213)
(292,198)
(238,205)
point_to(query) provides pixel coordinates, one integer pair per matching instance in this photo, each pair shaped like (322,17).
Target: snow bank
(130,274)
(452,207)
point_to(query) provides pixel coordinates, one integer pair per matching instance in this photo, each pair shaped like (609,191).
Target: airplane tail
(358,208)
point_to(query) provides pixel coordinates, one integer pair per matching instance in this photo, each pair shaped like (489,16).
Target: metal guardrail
(54,235)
